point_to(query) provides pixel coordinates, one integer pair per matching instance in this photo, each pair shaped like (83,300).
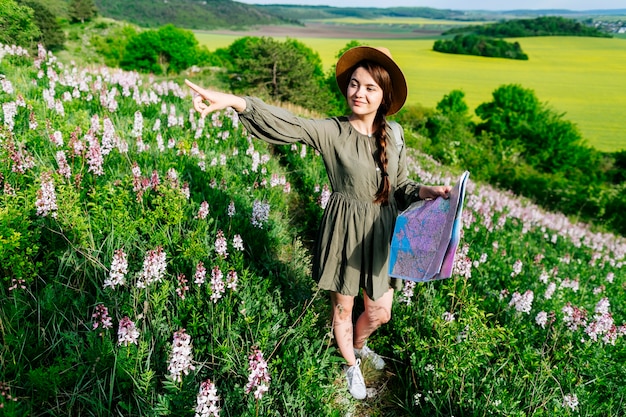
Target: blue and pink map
(426,237)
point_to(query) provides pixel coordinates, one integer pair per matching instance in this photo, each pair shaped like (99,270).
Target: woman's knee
(378,314)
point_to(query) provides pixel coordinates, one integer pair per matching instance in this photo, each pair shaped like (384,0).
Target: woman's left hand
(428,191)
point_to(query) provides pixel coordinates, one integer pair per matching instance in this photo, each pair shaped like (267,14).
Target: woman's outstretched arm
(216,100)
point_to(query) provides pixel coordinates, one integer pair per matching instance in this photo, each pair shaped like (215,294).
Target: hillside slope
(208,14)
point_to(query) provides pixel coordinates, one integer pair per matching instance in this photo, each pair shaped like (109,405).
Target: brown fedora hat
(381,56)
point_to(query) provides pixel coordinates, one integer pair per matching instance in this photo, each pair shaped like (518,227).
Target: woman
(366,169)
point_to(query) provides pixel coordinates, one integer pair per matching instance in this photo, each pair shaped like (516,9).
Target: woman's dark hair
(382,78)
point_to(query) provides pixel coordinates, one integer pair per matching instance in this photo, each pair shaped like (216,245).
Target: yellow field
(585,78)
(413,21)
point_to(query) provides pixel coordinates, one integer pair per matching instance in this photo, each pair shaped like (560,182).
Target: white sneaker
(368,354)
(356,383)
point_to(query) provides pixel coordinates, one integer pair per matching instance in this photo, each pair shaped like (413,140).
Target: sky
(461,4)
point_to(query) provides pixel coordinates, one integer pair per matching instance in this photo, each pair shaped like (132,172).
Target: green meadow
(584,78)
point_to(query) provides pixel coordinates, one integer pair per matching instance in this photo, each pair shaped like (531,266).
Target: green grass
(581,77)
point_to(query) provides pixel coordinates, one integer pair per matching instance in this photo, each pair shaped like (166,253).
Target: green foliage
(480,46)
(112,44)
(52,35)
(18,25)
(190,14)
(166,50)
(281,71)
(82,10)
(540,26)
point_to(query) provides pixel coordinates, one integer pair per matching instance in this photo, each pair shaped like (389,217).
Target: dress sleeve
(407,191)
(281,127)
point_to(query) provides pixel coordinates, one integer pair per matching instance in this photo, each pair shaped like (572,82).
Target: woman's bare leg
(376,314)
(342,325)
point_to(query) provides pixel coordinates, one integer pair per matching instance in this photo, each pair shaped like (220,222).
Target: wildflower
(569,283)
(407,292)
(517,268)
(522,303)
(203,211)
(238,242)
(185,190)
(10,111)
(153,267)
(231,208)
(182,286)
(137,125)
(119,269)
(549,291)
(57,138)
(207,402)
(259,377)
(5,392)
(574,316)
(602,307)
(570,401)
(448,317)
(94,158)
(220,244)
(260,213)
(64,168)
(46,197)
(17,283)
(609,277)
(416,398)
(127,333)
(200,273)
(231,280)
(101,317)
(217,284)
(541,319)
(180,359)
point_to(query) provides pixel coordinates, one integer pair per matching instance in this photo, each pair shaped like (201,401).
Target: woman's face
(364,95)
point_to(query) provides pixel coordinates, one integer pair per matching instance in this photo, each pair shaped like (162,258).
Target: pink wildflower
(407,292)
(260,213)
(101,317)
(259,378)
(64,168)
(522,303)
(154,266)
(180,359)
(207,402)
(17,283)
(570,401)
(324,197)
(231,280)
(119,269)
(200,274)
(127,333)
(137,125)
(217,284)
(182,286)
(46,197)
(238,242)
(94,158)
(574,316)
(448,317)
(221,246)
(517,268)
(231,208)
(203,211)
(57,138)
(550,291)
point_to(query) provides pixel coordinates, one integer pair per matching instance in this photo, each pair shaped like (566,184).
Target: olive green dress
(352,249)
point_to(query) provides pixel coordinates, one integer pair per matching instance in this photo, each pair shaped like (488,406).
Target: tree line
(480,46)
(540,26)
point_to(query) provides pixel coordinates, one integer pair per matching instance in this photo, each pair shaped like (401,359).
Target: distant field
(585,78)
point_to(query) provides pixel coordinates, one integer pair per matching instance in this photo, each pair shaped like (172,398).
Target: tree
(167,50)
(548,142)
(17,26)
(179,48)
(142,53)
(52,36)
(82,10)
(283,71)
